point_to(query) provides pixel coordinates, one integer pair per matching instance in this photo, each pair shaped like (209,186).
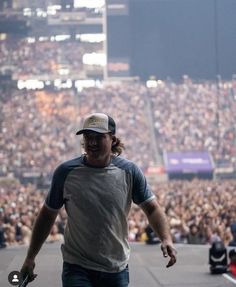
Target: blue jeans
(74,275)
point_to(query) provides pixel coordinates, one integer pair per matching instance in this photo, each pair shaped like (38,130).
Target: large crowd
(38,132)
(43,58)
(196,116)
(199,212)
(35,133)
(38,126)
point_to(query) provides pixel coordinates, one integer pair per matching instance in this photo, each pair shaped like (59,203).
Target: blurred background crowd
(45,57)
(199,212)
(38,132)
(38,126)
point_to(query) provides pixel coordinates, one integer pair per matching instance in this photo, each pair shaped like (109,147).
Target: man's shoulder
(73,162)
(69,165)
(119,160)
(124,163)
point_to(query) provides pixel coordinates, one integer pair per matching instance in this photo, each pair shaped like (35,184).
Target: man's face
(97,145)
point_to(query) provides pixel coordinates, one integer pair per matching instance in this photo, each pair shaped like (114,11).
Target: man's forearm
(158,220)
(159,224)
(41,230)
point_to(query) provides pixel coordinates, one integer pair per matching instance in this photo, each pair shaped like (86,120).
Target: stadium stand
(38,132)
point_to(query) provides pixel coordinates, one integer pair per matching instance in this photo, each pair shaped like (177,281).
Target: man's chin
(94,154)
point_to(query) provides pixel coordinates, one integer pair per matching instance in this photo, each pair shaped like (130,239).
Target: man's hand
(169,250)
(28,269)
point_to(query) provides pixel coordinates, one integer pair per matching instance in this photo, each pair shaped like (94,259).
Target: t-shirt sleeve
(142,192)
(54,198)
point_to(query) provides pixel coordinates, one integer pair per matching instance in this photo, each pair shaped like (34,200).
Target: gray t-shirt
(97,201)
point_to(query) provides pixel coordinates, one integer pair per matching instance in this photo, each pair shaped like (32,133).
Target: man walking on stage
(97,189)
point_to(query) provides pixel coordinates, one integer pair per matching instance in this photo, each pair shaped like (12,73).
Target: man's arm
(41,230)
(158,221)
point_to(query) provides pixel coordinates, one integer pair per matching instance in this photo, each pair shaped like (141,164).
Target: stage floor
(147,267)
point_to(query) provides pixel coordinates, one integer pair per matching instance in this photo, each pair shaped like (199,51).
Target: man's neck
(97,162)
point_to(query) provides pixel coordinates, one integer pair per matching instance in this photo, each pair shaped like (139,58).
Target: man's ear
(114,140)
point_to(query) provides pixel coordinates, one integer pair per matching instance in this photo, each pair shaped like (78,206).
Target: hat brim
(92,129)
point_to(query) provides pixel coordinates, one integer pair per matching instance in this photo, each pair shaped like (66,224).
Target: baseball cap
(98,122)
